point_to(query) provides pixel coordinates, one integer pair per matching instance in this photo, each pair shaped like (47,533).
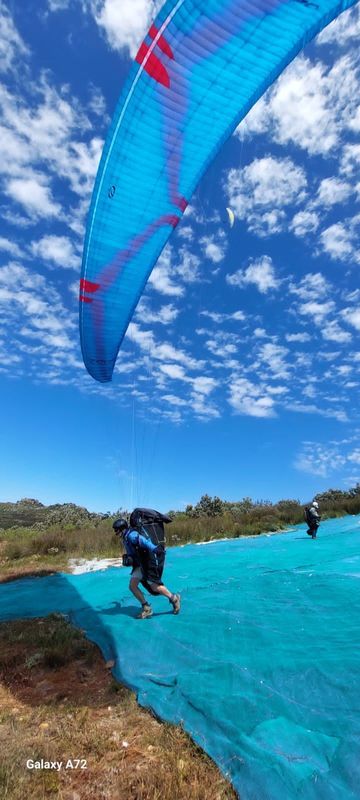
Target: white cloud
(164,351)
(58,5)
(317,310)
(174,371)
(12,217)
(218,317)
(352,317)
(34,196)
(304,222)
(303,88)
(58,250)
(204,385)
(303,360)
(249,399)
(311,287)
(45,135)
(222,344)
(164,315)
(261,191)
(354,122)
(174,400)
(59,341)
(161,277)
(319,460)
(332,413)
(161,351)
(10,247)
(125,23)
(273,356)
(297,337)
(350,160)
(97,102)
(144,339)
(332,191)
(188,267)
(308,98)
(185,232)
(354,456)
(214,250)
(260,273)
(260,333)
(277,390)
(32,311)
(203,409)
(256,121)
(324,459)
(12,46)
(334,333)
(341,240)
(343,29)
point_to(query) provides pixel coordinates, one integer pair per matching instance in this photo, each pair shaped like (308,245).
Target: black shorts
(152,568)
(312,531)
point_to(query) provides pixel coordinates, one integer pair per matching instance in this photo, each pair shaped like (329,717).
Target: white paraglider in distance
(231,217)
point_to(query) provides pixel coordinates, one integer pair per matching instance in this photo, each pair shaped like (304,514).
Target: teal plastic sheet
(262,665)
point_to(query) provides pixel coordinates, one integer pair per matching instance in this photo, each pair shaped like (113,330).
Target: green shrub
(14,550)
(52,542)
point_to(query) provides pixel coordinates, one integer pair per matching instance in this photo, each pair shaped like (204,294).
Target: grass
(185,529)
(25,551)
(75,709)
(23,542)
(28,551)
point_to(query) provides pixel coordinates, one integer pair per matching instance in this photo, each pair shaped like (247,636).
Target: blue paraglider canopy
(201,67)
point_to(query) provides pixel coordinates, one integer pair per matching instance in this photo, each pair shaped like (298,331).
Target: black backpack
(150,523)
(311,519)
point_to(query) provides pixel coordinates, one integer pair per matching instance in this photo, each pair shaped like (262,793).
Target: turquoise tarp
(262,665)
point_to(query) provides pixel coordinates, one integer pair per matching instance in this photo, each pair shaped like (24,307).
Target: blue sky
(239,374)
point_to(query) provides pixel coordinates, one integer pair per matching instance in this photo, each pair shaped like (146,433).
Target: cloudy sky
(240,371)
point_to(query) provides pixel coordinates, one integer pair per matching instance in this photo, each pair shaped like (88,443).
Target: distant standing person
(313,518)
(147,558)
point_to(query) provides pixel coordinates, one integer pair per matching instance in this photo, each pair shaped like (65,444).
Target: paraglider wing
(201,67)
(231,216)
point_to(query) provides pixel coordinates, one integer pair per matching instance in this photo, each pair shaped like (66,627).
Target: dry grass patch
(59,702)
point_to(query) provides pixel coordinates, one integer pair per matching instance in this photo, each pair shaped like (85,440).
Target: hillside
(29,513)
